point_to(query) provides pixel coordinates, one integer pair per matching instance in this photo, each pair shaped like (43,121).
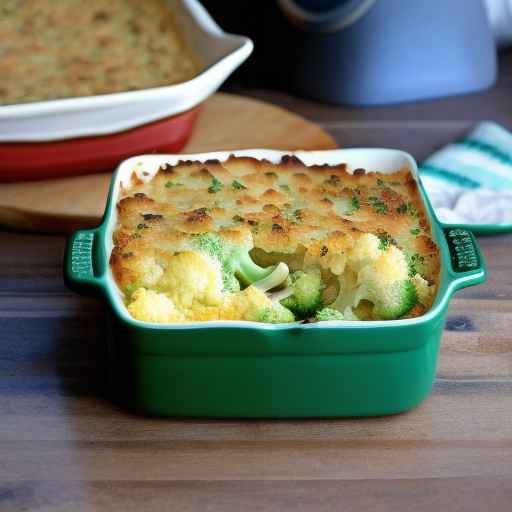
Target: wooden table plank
(469,494)
(269,460)
(458,410)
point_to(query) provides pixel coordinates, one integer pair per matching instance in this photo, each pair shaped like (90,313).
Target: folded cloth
(470,181)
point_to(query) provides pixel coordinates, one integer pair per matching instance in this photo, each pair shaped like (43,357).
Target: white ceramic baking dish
(219,53)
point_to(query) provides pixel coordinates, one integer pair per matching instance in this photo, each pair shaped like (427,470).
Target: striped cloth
(470,181)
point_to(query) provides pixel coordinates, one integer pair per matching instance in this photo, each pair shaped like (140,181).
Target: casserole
(357,244)
(249,369)
(130,46)
(218,52)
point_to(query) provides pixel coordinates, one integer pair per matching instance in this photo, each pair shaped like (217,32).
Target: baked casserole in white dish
(217,54)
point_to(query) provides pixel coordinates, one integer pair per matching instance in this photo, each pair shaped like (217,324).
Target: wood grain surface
(65,447)
(226,122)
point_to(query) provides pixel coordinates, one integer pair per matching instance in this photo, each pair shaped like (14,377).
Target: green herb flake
(142,226)
(290,214)
(216,186)
(171,184)
(402,209)
(379,205)
(355,204)
(414,260)
(383,242)
(284,187)
(236,185)
(411,210)
(130,289)
(415,231)
(380,183)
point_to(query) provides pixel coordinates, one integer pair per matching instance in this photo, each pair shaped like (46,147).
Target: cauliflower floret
(253,304)
(151,306)
(348,314)
(385,282)
(423,290)
(337,263)
(145,272)
(327,253)
(391,265)
(192,277)
(378,274)
(191,289)
(334,261)
(348,294)
(201,313)
(244,305)
(365,251)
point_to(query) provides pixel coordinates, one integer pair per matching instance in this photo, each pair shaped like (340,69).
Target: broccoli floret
(307,293)
(130,289)
(230,282)
(235,262)
(329,314)
(395,301)
(275,314)
(152,306)
(387,285)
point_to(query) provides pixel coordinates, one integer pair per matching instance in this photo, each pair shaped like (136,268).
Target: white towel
(470,181)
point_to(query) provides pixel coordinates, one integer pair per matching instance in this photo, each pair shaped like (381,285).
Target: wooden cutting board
(226,122)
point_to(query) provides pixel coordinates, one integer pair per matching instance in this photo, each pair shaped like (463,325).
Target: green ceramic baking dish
(248,369)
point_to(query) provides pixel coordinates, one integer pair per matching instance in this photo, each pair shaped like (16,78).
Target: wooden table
(64,447)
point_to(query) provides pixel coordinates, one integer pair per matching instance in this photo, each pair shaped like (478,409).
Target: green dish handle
(467,265)
(83,264)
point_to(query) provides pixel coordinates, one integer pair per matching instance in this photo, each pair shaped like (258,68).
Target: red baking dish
(23,161)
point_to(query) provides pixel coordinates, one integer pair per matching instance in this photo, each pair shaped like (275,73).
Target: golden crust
(277,208)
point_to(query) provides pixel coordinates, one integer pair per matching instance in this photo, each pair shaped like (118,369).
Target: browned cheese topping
(320,216)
